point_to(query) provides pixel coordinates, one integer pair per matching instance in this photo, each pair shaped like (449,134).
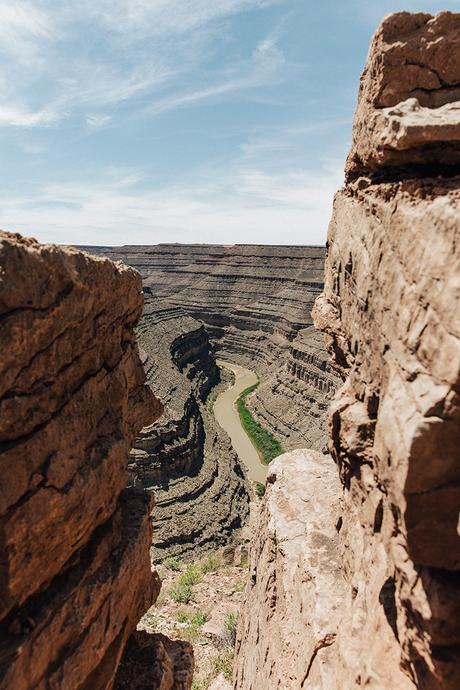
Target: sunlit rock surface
(390,309)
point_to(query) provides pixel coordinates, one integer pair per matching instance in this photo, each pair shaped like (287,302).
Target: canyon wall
(201,496)
(75,567)
(357,583)
(255,302)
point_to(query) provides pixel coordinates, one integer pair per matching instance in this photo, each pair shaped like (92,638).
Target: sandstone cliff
(255,302)
(201,496)
(366,594)
(75,568)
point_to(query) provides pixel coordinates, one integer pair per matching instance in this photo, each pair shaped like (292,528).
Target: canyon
(112,458)
(255,302)
(250,305)
(201,496)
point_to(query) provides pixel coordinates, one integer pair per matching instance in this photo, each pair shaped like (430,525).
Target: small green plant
(195,618)
(211,564)
(181,592)
(151,618)
(223,663)
(183,616)
(230,623)
(199,618)
(189,634)
(260,489)
(192,575)
(200,685)
(240,585)
(172,563)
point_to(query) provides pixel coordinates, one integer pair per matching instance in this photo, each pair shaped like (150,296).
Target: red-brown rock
(155,662)
(75,570)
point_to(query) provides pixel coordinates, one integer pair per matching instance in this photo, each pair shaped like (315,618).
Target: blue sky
(145,121)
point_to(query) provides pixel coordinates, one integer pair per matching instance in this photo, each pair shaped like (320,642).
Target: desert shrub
(260,489)
(181,592)
(240,585)
(151,618)
(183,616)
(200,684)
(192,575)
(211,564)
(172,563)
(230,623)
(199,618)
(195,618)
(223,663)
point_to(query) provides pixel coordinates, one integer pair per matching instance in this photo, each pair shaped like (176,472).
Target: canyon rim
(139,549)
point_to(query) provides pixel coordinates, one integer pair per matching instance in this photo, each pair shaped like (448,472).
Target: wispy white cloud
(165,39)
(302,189)
(97,121)
(241,203)
(262,68)
(16,116)
(23,28)
(270,142)
(32,148)
(136,19)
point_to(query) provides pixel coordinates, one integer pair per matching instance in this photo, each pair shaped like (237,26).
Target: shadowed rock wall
(75,569)
(386,615)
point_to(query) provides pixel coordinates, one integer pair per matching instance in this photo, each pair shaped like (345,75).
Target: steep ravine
(201,495)
(255,302)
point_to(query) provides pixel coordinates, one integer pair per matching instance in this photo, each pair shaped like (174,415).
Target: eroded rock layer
(75,570)
(255,302)
(199,485)
(390,309)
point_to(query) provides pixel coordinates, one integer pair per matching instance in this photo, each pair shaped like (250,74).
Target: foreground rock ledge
(75,569)
(290,618)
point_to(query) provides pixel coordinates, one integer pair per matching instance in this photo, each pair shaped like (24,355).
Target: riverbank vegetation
(265,443)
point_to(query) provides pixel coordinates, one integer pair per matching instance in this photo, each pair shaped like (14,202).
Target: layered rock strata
(200,490)
(390,311)
(293,396)
(75,568)
(255,302)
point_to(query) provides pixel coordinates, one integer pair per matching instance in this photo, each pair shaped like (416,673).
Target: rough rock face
(289,621)
(390,309)
(408,115)
(72,400)
(255,302)
(155,661)
(185,457)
